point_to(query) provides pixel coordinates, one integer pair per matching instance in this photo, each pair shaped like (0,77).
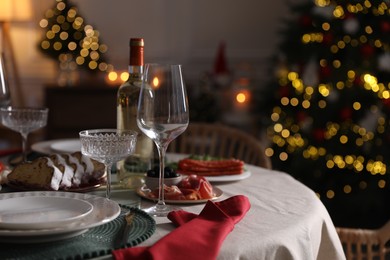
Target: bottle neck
(135,72)
(136,59)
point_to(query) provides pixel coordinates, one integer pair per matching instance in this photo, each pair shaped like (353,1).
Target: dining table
(286,220)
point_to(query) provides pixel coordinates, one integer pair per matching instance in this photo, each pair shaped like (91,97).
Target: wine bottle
(131,171)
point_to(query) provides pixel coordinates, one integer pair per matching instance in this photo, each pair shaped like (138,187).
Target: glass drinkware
(162,115)
(24,120)
(5,95)
(107,146)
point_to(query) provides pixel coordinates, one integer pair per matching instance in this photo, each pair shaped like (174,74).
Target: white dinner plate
(104,211)
(66,146)
(144,193)
(45,146)
(227,178)
(41,212)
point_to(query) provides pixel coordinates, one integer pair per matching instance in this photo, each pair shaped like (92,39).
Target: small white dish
(41,212)
(152,182)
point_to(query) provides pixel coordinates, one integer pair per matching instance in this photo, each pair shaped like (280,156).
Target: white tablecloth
(286,221)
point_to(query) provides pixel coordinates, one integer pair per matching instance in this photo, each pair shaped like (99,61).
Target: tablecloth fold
(197,236)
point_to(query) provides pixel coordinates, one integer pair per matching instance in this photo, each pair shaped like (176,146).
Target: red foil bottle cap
(137,51)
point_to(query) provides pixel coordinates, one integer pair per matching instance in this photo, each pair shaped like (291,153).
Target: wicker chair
(220,141)
(366,244)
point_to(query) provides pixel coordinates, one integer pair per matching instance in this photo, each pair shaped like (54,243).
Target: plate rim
(87,208)
(218,193)
(59,142)
(228,178)
(78,225)
(83,188)
(44,146)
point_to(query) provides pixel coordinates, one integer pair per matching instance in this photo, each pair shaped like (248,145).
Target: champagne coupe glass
(24,120)
(162,115)
(108,146)
(5,96)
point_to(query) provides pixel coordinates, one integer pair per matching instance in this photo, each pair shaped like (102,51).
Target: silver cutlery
(124,234)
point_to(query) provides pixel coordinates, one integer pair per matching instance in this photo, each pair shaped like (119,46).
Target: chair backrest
(366,244)
(220,141)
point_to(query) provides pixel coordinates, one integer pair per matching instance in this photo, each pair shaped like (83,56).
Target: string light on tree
(329,119)
(71,41)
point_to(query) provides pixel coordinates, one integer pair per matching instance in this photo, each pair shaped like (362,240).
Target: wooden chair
(220,141)
(366,244)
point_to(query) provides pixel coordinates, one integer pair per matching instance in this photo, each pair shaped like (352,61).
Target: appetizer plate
(41,212)
(66,146)
(227,178)
(103,211)
(144,193)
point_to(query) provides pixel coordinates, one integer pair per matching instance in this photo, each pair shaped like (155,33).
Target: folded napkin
(9,151)
(197,236)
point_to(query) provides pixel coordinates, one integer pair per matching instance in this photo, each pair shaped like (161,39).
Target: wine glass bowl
(162,115)
(24,120)
(5,94)
(107,146)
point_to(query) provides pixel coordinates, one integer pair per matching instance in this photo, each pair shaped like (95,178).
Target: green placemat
(98,241)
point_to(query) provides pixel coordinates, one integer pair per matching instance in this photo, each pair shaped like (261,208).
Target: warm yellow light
(283,156)
(155,82)
(269,152)
(44,23)
(45,45)
(241,97)
(330,194)
(72,46)
(61,6)
(347,189)
(112,76)
(124,76)
(278,128)
(57,46)
(343,139)
(338,11)
(356,105)
(92,65)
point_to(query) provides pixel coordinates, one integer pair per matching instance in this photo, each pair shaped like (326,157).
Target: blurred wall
(184,31)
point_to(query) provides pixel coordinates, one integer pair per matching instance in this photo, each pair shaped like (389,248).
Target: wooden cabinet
(72,109)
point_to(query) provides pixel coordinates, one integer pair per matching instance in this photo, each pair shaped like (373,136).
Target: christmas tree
(328,106)
(70,40)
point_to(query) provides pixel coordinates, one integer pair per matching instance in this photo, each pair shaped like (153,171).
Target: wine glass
(108,146)
(5,96)
(24,120)
(162,115)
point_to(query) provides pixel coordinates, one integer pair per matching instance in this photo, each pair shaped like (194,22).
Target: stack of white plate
(39,216)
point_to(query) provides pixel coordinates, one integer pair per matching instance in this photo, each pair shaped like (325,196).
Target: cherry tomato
(205,189)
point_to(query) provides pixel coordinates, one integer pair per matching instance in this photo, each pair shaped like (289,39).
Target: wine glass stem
(161,153)
(24,146)
(108,174)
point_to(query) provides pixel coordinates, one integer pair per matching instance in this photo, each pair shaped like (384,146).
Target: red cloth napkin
(9,151)
(197,237)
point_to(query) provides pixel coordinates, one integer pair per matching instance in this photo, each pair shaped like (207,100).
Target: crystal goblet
(108,146)
(24,120)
